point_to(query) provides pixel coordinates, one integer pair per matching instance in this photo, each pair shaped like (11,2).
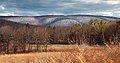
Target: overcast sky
(59,7)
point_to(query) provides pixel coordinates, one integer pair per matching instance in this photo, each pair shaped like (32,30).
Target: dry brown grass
(68,54)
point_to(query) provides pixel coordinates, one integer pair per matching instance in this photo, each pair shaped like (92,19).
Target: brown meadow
(96,42)
(68,54)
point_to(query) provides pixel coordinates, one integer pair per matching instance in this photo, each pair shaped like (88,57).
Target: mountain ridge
(64,16)
(57,20)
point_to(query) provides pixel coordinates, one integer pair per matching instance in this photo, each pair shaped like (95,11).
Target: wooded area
(27,38)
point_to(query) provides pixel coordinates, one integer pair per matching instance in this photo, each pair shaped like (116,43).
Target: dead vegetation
(81,54)
(40,44)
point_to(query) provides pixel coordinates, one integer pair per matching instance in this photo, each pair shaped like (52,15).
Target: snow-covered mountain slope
(56,20)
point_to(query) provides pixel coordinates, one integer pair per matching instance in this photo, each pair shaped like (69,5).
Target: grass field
(68,54)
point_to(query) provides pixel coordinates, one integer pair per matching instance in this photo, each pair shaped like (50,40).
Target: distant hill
(56,20)
(4,22)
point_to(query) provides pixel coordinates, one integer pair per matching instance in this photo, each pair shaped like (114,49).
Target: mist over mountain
(57,20)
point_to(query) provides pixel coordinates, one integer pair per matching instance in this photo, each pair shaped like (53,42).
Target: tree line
(27,38)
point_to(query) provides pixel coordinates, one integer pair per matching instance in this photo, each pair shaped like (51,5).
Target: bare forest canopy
(27,38)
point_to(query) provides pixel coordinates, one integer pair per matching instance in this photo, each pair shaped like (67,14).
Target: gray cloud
(49,7)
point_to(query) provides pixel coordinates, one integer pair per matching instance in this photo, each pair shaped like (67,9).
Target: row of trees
(23,39)
(35,38)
